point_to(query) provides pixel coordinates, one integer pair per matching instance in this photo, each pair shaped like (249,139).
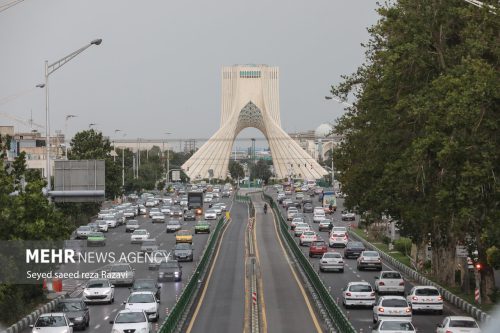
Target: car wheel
(440,312)
(374,320)
(359,268)
(342,270)
(345,305)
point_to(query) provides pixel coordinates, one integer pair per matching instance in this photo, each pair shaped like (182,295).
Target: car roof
(460,318)
(365,283)
(141,292)
(425,287)
(67,300)
(52,314)
(392,297)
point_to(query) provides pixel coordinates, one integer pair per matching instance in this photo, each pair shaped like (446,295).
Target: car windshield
(309,233)
(140,232)
(132,222)
(426,292)
(396,326)
(355,244)
(51,321)
(130,317)
(361,288)
(144,284)
(84,228)
(169,264)
(70,306)
(120,268)
(210,211)
(394,303)
(102,222)
(370,254)
(463,323)
(183,233)
(98,284)
(96,234)
(332,255)
(141,298)
(391,275)
(173,222)
(319,244)
(182,246)
(148,242)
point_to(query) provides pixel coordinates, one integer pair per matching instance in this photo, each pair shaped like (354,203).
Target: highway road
(117,240)
(361,318)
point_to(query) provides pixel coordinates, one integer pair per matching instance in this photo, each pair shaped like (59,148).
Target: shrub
(403,245)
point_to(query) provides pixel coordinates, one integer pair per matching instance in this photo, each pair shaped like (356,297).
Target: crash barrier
(52,285)
(175,320)
(414,275)
(334,312)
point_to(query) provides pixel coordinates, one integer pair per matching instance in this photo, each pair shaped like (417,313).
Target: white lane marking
(114,310)
(96,327)
(106,318)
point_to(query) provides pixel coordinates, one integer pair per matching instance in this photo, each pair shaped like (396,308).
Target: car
(287,202)
(389,282)
(294,222)
(176,211)
(353,249)
(154,211)
(226,194)
(129,213)
(202,226)
(317,247)
(183,252)
(348,216)
(145,301)
(149,245)
(318,216)
(189,215)
(158,217)
(339,229)
(291,213)
(131,321)
(142,210)
(121,274)
(331,261)
(157,257)
(369,259)
(166,210)
(300,228)
(103,226)
(325,225)
(222,206)
(458,324)
(393,326)
(318,210)
(338,238)
(170,270)
(150,203)
(55,322)
(208,198)
(75,310)
(173,226)
(93,226)
(217,208)
(388,307)
(111,220)
(359,293)
(150,285)
(307,237)
(307,208)
(288,191)
(99,291)
(425,298)
(299,196)
(96,238)
(82,232)
(131,225)
(139,235)
(210,214)
(184,236)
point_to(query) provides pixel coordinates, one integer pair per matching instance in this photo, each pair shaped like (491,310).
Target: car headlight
(86,292)
(106,292)
(79,319)
(176,273)
(115,331)
(143,330)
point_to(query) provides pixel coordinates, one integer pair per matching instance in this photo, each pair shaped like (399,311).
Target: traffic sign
(176,175)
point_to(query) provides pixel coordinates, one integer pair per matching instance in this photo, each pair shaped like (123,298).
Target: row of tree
(422,141)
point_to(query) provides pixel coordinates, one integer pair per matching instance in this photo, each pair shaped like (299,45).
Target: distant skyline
(159,65)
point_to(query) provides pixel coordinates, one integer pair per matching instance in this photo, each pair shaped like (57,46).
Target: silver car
(173,226)
(83,231)
(149,245)
(99,291)
(331,261)
(121,274)
(55,322)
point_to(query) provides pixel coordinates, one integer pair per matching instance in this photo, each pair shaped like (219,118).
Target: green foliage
(236,169)
(261,171)
(493,256)
(403,245)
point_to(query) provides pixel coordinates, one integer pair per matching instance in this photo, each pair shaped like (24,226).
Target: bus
(195,202)
(329,198)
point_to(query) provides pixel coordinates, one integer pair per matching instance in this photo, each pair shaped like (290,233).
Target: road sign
(461,251)
(176,175)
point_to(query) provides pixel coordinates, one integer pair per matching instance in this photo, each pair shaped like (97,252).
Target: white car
(207,198)
(139,235)
(338,238)
(166,210)
(318,210)
(210,214)
(103,225)
(131,321)
(294,222)
(318,217)
(391,307)
(99,291)
(425,298)
(307,238)
(393,326)
(144,301)
(458,324)
(55,322)
(324,225)
(142,210)
(300,228)
(111,221)
(348,216)
(339,229)
(291,213)
(358,294)
(331,261)
(150,203)
(217,209)
(390,282)
(158,217)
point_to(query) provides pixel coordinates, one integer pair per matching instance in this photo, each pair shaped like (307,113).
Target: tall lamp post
(68,116)
(168,157)
(49,69)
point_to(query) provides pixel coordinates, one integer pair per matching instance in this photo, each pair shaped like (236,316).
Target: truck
(329,198)
(195,202)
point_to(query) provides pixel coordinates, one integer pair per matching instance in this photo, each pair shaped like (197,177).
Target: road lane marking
(106,318)
(96,327)
(261,288)
(304,295)
(207,283)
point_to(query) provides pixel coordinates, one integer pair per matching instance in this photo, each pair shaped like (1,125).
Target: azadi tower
(250,98)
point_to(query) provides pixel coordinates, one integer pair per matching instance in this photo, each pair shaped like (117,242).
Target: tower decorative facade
(250,98)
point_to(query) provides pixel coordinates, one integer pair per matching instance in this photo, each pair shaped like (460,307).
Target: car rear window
(463,323)
(361,288)
(319,244)
(426,292)
(394,303)
(332,255)
(391,275)
(370,254)
(397,326)
(355,245)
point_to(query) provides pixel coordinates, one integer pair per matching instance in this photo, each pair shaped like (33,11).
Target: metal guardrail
(334,312)
(174,319)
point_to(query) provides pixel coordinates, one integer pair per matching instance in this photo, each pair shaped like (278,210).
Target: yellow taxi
(184,236)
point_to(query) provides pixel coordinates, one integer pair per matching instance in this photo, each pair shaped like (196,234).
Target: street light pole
(49,69)
(68,116)
(168,158)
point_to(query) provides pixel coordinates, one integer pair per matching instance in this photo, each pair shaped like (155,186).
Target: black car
(308,208)
(147,285)
(183,252)
(353,249)
(75,308)
(189,215)
(170,270)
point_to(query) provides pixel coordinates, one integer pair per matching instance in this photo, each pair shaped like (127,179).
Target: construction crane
(29,122)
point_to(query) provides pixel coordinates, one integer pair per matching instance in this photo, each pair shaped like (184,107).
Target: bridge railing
(337,317)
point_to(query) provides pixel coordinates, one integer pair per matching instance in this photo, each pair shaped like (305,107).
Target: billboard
(79,181)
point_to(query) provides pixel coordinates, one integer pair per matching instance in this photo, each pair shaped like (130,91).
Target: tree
(421,141)
(90,144)
(236,170)
(261,171)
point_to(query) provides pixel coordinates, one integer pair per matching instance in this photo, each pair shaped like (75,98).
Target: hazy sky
(158,68)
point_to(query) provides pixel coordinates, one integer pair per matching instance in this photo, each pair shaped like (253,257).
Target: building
(317,143)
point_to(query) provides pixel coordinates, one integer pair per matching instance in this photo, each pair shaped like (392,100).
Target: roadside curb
(448,295)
